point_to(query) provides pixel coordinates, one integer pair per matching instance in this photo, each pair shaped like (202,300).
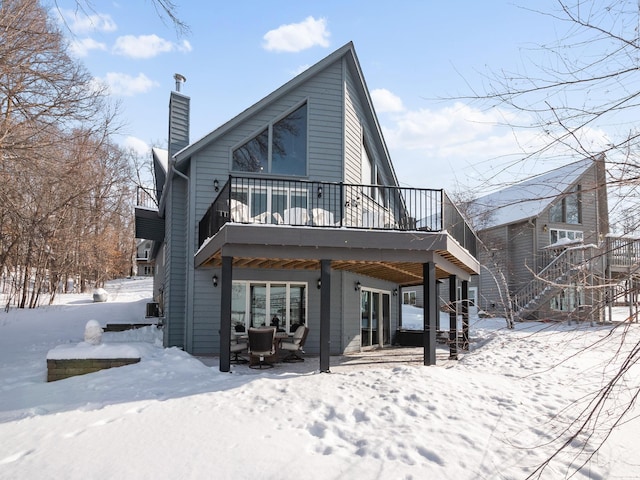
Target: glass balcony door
(375,319)
(268,204)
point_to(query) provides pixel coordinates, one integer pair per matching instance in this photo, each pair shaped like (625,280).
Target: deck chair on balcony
(296,216)
(238,211)
(295,345)
(322,218)
(261,345)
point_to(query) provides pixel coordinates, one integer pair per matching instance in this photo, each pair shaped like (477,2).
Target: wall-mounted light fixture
(216,185)
(214,279)
(320,191)
(395,292)
(319,283)
(358,285)
(545,228)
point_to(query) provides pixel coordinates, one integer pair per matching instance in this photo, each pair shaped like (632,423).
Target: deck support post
(430,312)
(225,313)
(465,315)
(453,317)
(325,315)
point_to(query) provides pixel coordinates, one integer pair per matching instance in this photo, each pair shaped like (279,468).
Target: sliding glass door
(375,320)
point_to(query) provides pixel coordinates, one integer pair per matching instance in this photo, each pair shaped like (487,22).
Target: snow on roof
(162,157)
(528,198)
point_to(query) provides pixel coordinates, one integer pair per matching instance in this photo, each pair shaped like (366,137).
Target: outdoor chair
(237,347)
(295,345)
(322,218)
(261,345)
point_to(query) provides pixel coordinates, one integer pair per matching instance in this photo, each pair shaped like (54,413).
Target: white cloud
(449,129)
(147,46)
(295,37)
(385,101)
(82,47)
(80,23)
(139,146)
(126,86)
(438,148)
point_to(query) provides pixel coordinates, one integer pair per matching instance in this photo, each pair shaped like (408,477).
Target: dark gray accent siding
(149,225)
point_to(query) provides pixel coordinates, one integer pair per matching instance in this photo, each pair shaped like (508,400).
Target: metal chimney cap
(180,79)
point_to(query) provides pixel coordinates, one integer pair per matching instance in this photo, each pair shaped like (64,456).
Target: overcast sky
(415,55)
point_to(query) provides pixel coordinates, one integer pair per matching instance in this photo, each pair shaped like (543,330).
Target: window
(281,148)
(558,234)
(409,298)
(569,209)
(282,304)
(568,299)
(366,167)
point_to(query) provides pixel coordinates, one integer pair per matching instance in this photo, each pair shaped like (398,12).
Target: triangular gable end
(347,52)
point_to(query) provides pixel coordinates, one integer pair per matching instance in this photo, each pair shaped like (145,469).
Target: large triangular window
(281,148)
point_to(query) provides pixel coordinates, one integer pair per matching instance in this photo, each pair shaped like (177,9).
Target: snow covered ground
(497,413)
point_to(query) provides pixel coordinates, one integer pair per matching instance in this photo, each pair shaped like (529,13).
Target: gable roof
(160,158)
(527,199)
(348,52)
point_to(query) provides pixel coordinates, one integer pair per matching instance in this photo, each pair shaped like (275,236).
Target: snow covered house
(291,213)
(543,242)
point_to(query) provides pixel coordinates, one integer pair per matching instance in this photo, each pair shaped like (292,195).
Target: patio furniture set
(266,346)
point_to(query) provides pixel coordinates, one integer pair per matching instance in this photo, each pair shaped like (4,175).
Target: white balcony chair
(322,218)
(296,216)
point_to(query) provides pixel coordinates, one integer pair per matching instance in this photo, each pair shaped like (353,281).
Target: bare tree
(167,10)
(585,80)
(65,187)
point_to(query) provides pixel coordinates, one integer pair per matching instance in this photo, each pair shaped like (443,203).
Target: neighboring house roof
(527,199)
(347,51)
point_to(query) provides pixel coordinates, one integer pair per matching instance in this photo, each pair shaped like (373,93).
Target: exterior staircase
(563,269)
(616,260)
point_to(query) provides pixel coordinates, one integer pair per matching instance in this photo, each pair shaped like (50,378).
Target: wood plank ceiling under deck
(402,273)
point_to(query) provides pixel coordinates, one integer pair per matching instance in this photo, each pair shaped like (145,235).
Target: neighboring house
(544,245)
(145,264)
(292,210)
(150,226)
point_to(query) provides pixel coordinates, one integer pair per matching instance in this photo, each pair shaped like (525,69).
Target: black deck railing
(145,198)
(334,205)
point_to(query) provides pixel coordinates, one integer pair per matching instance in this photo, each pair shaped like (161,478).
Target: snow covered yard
(495,413)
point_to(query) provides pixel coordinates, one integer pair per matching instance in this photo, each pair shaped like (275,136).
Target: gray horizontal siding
(207,312)
(176,267)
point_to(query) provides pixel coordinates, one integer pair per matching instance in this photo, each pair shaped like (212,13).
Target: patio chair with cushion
(237,347)
(295,345)
(261,345)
